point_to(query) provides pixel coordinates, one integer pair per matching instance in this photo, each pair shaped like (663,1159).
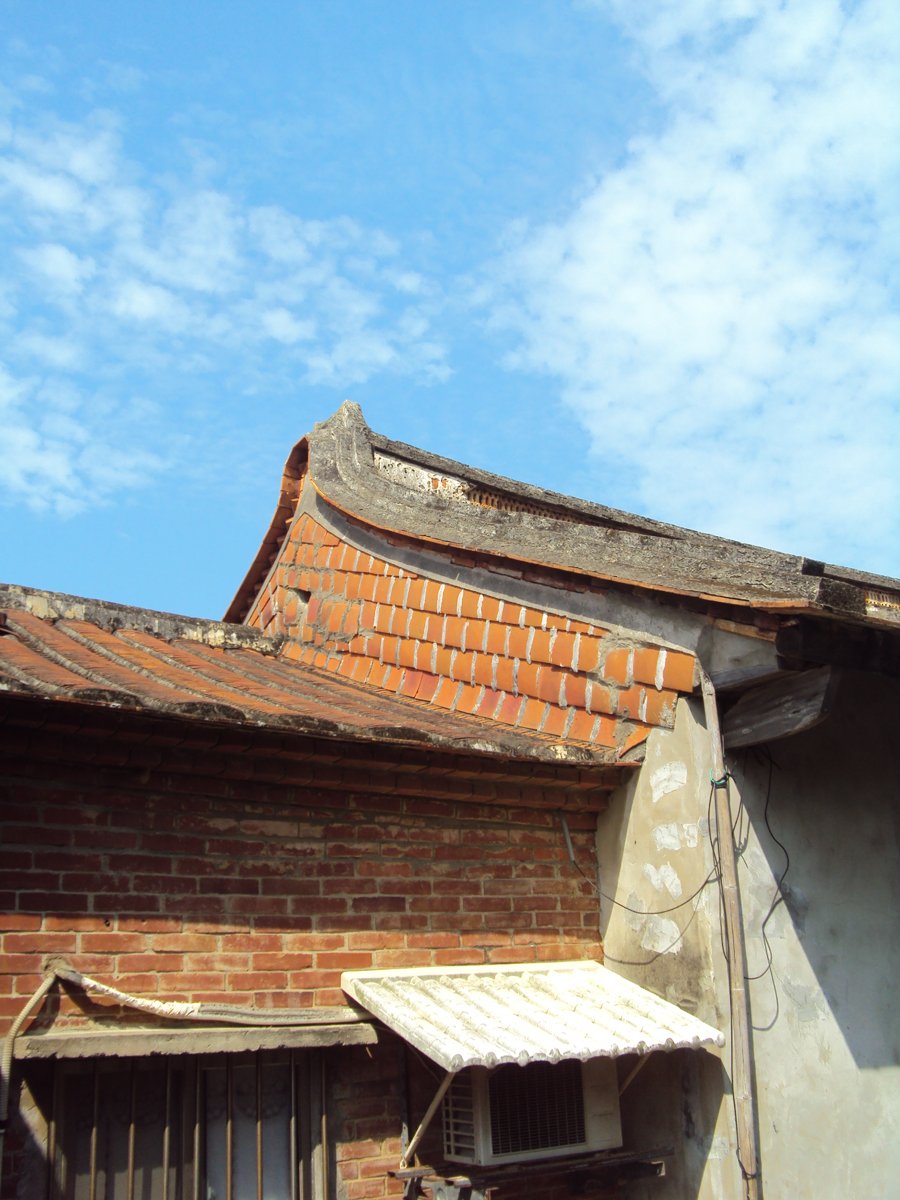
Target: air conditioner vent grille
(537,1109)
(459,1118)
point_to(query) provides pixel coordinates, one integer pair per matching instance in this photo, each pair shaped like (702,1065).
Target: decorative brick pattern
(362,617)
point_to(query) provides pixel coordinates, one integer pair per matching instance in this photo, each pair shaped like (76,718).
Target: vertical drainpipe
(742,1081)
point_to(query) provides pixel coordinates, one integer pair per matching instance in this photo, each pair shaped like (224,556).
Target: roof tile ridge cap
(342,469)
(106,614)
(489,480)
(27,638)
(340,448)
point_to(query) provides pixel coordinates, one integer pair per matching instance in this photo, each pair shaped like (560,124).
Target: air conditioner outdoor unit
(543,1110)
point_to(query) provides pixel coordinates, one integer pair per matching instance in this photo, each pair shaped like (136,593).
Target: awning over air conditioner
(483,1016)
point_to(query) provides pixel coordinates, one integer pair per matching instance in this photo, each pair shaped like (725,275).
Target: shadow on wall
(833,931)
(671,1108)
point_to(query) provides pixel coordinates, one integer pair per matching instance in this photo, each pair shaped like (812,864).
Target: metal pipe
(232,1014)
(6,1058)
(95,1121)
(632,1074)
(131,1132)
(742,1082)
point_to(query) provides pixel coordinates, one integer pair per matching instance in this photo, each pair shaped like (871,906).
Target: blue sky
(641,252)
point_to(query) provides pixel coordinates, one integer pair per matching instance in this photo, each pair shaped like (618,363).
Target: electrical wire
(632,962)
(777,898)
(625,962)
(643,912)
(723,927)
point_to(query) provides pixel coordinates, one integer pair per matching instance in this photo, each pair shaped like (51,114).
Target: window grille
(206,1127)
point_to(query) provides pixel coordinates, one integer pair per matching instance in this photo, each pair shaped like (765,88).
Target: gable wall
(459,648)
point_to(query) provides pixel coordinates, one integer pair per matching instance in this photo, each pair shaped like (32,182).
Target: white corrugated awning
(522,1013)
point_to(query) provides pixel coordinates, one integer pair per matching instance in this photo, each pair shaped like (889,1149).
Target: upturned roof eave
(587,539)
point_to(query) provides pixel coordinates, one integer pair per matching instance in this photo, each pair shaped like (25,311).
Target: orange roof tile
(64,649)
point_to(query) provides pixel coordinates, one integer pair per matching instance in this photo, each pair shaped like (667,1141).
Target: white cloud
(113,276)
(58,268)
(56,456)
(283,326)
(45,190)
(54,352)
(147,302)
(718,308)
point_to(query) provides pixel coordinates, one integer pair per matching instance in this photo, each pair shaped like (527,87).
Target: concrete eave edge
(60,606)
(587,539)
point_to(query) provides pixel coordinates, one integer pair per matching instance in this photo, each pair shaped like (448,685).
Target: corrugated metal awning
(483,1016)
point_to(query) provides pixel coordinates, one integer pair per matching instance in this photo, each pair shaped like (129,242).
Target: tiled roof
(67,649)
(409,493)
(405,632)
(484,1016)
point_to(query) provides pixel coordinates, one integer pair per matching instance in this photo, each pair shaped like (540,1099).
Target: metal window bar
(95,1122)
(132,1104)
(52,1126)
(295,1172)
(198,1165)
(129,1129)
(259,1129)
(229,1128)
(167,1132)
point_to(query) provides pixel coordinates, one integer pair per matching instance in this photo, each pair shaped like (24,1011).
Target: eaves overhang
(408,493)
(68,651)
(535,1012)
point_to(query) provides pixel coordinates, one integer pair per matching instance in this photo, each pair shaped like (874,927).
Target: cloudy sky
(641,251)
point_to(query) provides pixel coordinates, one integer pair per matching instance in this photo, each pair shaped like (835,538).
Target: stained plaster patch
(661,934)
(807,1001)
(668,778)
(667,837)
(663,878)
(676,835)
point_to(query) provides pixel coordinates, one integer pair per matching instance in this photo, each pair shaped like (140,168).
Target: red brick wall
(188,886)
(461,649)
(254,897)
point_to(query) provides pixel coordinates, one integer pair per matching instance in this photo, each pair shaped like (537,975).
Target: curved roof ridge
(410,493)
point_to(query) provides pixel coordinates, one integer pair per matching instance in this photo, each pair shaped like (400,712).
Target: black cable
(777,898)
(625,962)
(631,962)
(641,912)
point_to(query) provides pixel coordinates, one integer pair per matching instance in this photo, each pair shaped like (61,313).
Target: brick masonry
(449,646)
(187,885)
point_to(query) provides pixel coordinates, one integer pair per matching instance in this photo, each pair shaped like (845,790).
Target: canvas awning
(483,1016)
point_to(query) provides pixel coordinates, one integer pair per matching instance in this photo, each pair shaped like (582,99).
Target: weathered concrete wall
(828,1024)
(654,854)
(826,1019)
